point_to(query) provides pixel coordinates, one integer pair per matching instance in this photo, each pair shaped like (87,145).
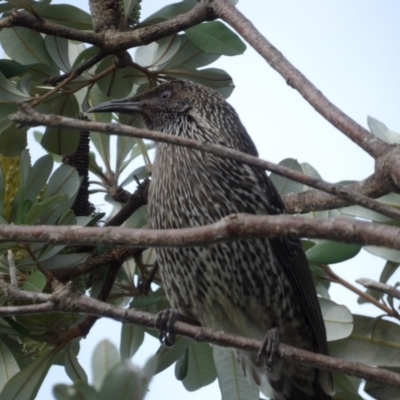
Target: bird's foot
(269,348)
(165,324)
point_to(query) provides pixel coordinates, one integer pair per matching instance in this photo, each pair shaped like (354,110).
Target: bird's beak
(126,106)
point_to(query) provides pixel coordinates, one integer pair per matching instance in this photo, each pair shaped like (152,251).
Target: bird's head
(167,103)
(186,109)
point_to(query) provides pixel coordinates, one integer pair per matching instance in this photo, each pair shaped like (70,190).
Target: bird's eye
(166,94)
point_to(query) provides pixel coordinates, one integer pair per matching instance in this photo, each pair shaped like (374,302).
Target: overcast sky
(350,51)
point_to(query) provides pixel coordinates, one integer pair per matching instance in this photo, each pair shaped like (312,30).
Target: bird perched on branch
(246,287)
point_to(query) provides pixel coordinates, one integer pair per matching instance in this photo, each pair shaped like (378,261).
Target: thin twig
(233,227)
(30,117)
(337,279)
(64,299)
(232,16)
(79,69)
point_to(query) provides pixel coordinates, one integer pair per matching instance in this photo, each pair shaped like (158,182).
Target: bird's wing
(291,256)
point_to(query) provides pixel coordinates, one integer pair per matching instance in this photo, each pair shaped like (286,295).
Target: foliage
(35,193)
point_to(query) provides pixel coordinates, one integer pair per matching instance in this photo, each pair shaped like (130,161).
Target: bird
(252,287)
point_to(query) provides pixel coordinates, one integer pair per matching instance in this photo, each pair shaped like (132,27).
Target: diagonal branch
(27,116)
(65,299)
(368,142)
(233,227)
(314,200)
(111,41)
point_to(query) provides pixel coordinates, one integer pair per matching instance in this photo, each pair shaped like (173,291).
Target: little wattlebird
(245,287)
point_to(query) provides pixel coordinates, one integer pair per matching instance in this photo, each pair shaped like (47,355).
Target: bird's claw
(165,324)
(269,348)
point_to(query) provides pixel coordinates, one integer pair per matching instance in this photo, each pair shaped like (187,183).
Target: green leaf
(8,365)
(79,391)
(102,144)
(181,366)
(21,330)
(12,140)
(62,140)
(116,84)
(138,173)
(5,110)
(128,381)
(373,341)
(95,168)
(158,53)
(85,55)
(388,270)
(67,15)
(283,184)
(191,56)
(35,283)
(30,5)
(346,387)
(338,319)
(309,170)
(37,177)
(96,96)
(25,46)
(138,219)
(2,190)
(63,260)
(215,78)
(330,252)
(105,357)
(124,146)
(9,92)
(132,337)
(145,301)
(64,180)
(25,166)
(26,383)
(361,212)
(384,252)
(232,382)
(58,50)
(128,7)
(137,150)
(215,37)
(380,391)
(14,346)
(381,131)
(72,367)
(38,210)
(166,356)
(10,68)
(201,367)
(168,12)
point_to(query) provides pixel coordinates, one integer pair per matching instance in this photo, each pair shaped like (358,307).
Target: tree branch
(232,16)
(314,200)
(65,299)
(337,279)
(111,41)
(28,116)
(26,20)
(233,227)
(381,287)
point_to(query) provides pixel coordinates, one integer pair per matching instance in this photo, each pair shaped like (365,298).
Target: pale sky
(350,51)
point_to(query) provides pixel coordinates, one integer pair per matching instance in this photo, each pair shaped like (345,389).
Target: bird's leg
(165,324)
(269,347)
